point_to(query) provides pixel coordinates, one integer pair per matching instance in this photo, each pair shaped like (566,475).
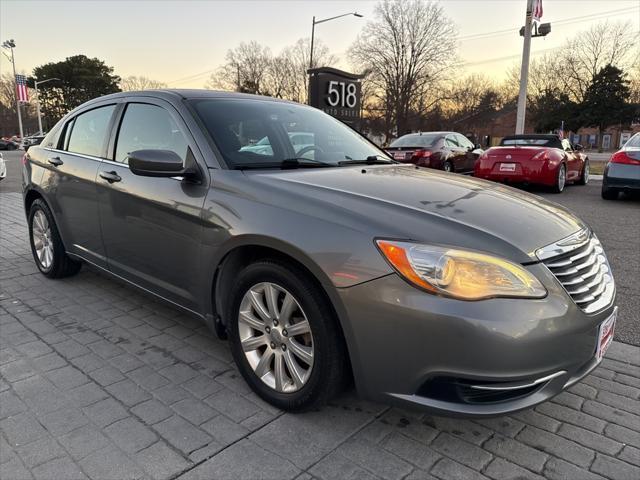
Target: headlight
(461,274)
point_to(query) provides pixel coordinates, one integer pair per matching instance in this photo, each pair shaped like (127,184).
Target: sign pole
(15,91)
(524,71)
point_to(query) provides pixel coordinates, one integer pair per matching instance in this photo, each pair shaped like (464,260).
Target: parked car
(302,144)
(32,140)
(8,145)
(535,159)
(622,172)
(3,168)
(439,291)
(448,151)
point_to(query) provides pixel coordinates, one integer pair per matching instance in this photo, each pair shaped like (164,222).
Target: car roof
(418,134)
(544,136)
(184,93)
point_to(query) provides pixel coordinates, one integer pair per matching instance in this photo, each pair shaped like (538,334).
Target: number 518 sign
(336,93)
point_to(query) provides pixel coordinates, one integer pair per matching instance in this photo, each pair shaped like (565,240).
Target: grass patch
(596,168)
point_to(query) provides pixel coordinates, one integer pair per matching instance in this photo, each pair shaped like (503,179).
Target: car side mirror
(577,147)
(477,146)
(156,163)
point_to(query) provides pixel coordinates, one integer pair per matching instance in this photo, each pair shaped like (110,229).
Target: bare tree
(134,82)
(407,49)
(246,69)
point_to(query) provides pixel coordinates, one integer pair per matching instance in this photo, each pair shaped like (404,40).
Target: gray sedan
(428,289)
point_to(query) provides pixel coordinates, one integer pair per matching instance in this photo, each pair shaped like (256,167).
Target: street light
(11,44)
(316,22)
(36,83)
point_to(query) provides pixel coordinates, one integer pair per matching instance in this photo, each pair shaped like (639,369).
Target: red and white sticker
(507,167)
(605,335)
(399,155)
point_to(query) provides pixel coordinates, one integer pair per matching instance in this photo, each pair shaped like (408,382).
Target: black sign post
(337,93)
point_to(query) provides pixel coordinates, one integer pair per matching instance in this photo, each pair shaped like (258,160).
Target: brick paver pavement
(98,380)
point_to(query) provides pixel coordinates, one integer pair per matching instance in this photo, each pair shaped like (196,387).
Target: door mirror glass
(155,163)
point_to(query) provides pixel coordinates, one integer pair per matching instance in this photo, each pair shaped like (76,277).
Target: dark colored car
(434,290)
(622,172)
(8,145)
(29,142)
(535,159)
(448,151)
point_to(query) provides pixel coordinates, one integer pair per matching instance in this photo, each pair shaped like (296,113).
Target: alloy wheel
(276,337)
(586,173)
(42,241)
(562,178)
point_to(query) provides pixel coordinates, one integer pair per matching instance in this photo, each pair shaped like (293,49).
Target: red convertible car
(534,159)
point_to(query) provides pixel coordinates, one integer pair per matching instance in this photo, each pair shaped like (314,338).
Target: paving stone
(612,414)
(507,426)
(34,349)
(128,393)
(335,466)
(105,349)
(569,415)
(88,363)
(22,429)
(14,470)
(557,469)
(86,395)
(40,451)
(501,469)
(193,410)
(590,440)
(583,390)
(232,405)
(105,412)
(57,469)
(517,452)
(10,404)
(63,421)
(243,461)
(107,375)
(556,445)
(17,370)
(462,451)
(147,378)
(182,435)
(410,450)
(617,401)
(83,441)
(178,373)
(126,362)
(66,378)
(161,462)
(613,468)
(112,464)
(612,386)
(422,430)
(71,349)
(467,430)
(170,394)
(569,399)
(202,386)
(130,434)
(224,431)
(447,469)
(624,435)
(48,362)
(152,411)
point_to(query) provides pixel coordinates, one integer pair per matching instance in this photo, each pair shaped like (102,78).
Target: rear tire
(584,176)
(46,245)
(267,364)
(609,193)
(561,179)
(448,166)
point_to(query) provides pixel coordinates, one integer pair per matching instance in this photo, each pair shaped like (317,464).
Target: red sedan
(534,159)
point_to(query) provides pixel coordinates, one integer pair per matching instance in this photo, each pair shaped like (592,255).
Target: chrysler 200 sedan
(323,263)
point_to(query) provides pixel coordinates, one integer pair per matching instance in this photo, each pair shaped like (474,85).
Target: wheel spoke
(264,364)
(253,322)
(271,296)
(298,328)
(259,307)
(252,343)
(303,353)
(279,373)
(297,374)
(288,306)
(37,243)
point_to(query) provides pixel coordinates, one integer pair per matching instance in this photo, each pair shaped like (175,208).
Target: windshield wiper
(370,160)
(286,164)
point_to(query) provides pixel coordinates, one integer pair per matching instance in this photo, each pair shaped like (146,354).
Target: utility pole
(524,70)
(10,44)
(36,83)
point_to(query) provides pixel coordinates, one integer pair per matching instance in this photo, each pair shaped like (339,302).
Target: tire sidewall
(557,186)
(58,249)
(445,164)
(316,313)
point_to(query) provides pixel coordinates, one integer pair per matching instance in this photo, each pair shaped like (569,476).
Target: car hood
(402,201)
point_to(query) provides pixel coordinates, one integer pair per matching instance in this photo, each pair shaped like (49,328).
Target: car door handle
(110,176)
(55,161)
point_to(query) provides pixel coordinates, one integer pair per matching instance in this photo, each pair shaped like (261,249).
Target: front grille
(585,274)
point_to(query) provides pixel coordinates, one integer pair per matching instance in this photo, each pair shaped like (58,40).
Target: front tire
(561,179)
(284,337)
(46,245)
(584,176)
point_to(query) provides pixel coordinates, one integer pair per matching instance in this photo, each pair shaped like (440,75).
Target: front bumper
(406,344)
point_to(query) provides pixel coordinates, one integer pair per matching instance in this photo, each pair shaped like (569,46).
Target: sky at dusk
(181,42)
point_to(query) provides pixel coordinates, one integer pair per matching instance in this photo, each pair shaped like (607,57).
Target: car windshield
(531,141)
(425,140)
(267,134)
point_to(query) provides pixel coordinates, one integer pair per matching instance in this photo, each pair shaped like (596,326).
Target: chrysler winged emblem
(508,157)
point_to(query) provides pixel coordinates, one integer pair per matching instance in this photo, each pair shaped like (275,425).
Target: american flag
(536,13)
(21,88)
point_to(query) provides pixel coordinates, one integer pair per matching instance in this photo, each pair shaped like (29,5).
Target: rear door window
(88,134)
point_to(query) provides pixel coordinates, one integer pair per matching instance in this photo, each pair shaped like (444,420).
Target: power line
(191,77)
(566,21)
